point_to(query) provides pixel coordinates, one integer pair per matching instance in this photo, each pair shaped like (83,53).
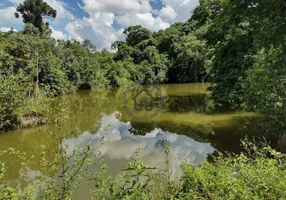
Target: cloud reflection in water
(120,144)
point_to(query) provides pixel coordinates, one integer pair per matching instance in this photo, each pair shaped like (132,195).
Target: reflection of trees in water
(199,103)
(141,128)
(270,131)
(223,138)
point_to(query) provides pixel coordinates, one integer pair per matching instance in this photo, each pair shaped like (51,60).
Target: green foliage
(255,174)
(136,35)
(165,39)
(192,59)
(168,55)
(266,85)
(248,43)
(33,12)
(12,95)
(230,43)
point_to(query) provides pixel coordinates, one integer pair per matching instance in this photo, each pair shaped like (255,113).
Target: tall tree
(136,34)
(33,12)
(193,58)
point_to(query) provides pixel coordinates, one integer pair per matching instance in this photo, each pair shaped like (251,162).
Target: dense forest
(238,46)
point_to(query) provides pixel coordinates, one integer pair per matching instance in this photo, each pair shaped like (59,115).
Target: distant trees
(174,55)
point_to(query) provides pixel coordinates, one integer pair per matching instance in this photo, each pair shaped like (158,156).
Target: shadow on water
(195,102)
(223,138)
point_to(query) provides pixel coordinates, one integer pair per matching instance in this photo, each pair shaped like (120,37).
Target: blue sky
(103,21)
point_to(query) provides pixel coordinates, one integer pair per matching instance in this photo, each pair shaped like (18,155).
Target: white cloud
(121,35)
(59,35)
(116,6)
(167,13)
(7,16)
(128,12)
(6,29)
(97,28)
(183,8)
(155,11)
(103,13)
(120,144)
(61,8)
(103,18)
(144,19)
(99,25)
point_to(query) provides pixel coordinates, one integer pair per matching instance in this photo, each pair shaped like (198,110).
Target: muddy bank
(32,119)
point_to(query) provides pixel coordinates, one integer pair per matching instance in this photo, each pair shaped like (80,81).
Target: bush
(12,96)
(256,174)
(266,86)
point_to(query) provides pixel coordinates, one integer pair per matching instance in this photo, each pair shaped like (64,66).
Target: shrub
(12,95)
(256,174)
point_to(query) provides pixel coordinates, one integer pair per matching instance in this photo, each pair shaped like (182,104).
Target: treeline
(34,64)
(239,46)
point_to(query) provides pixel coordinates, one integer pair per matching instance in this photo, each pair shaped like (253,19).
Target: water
(186,121)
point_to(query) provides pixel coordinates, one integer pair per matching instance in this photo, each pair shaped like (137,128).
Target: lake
(185,120)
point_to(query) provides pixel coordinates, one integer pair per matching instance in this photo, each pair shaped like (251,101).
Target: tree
(89,46)
(166,38)
(206,12)
(265,86)
(193,58)
(136,34)
(239,30)
(231,34)
(33,12)
(123,50)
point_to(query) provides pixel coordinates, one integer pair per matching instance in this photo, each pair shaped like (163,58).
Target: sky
(103,21)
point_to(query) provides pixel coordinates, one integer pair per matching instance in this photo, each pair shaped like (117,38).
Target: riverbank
(35,111)
(32,119)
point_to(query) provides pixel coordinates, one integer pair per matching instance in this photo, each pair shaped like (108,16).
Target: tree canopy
(33,12)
